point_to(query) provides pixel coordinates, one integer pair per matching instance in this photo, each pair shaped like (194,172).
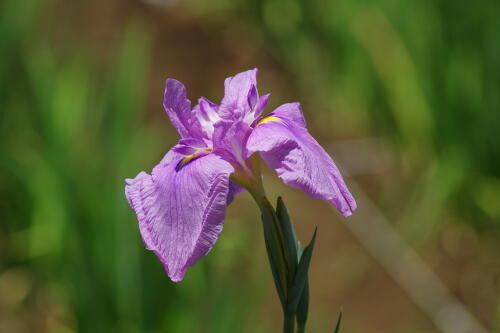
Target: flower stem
(289,323)
(288,260)
(289,263)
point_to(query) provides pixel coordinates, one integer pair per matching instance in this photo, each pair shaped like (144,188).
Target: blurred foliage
(422,75)
(70,135)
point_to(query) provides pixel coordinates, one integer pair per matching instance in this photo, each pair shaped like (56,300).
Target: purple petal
(181,213)
(207,102)
(262,104)
(184,150)
(234,190)
(206,114)
(291,111)
(178,109)
(298,159)
(230,140)
(235,103)
(189,146)
(197,143)
(252,97)
(171,157)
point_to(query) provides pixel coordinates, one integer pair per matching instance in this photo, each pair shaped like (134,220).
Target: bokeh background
(404,94)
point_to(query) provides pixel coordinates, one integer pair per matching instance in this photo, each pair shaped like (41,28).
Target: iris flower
(181,205)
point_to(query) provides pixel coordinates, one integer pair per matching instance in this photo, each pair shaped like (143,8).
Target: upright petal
(207,114)
(178,109)
(261,104)
(230,138)
(181,212)
(240,91)
(286,146)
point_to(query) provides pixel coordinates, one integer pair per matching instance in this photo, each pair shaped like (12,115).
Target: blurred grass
(419,74)
(423,76)
(70,136)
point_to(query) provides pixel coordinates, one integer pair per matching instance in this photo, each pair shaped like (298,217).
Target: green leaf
(289,240)
(301,275)
(274,250)
(303,308)
(337,327)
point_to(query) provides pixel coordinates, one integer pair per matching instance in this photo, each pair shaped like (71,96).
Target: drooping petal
(181,212)
(234,190)
(178,109)
(171,157)
(291,111)
(239,92)
(286,146)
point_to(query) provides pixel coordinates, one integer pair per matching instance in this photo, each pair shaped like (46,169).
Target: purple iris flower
(181,206)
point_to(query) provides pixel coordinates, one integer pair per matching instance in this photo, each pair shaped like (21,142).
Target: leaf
(303,308)
(274,250)
(301,275)
(289,240)
(337,327)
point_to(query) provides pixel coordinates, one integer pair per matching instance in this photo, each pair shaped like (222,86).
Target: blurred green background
(405,95)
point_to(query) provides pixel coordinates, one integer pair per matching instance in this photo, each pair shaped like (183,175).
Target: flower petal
(261,104)
(181,213)
(229,140)
(239,91)
(206,113)
(291,111)
(189,146)
(286,145)
(178,109)
(234,190)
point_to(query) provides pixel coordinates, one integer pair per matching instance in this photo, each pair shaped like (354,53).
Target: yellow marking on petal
(189,158)
(270,119)
(186,160)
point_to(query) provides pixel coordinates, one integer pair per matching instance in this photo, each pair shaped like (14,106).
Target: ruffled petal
(181,212)
(178,109)
(286,146)
(240,93)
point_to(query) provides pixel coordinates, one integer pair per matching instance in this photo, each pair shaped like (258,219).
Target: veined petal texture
(286,146)
(178,109)
(181,212)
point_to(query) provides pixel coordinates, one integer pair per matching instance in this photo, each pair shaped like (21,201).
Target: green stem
(281,245)
(289,323)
